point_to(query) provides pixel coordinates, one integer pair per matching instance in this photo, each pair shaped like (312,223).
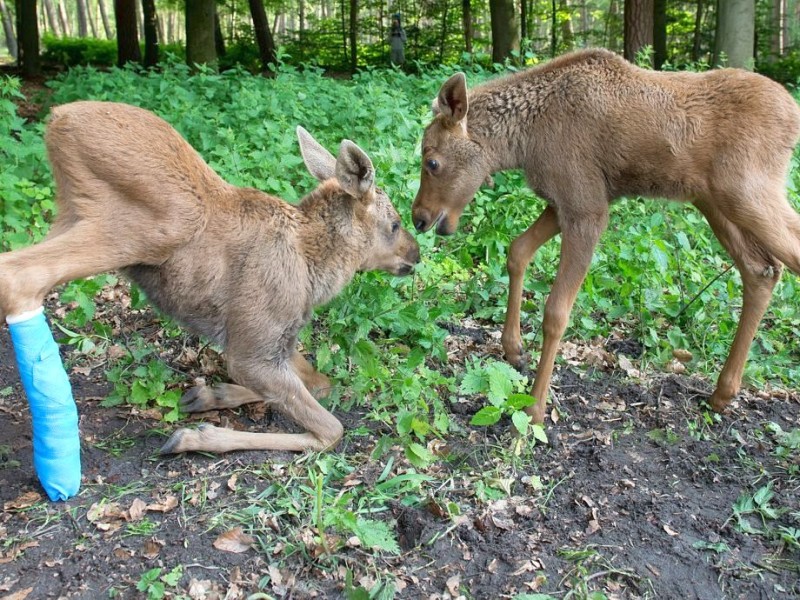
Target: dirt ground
(636,501)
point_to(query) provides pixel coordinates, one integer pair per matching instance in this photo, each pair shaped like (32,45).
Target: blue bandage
(56,444)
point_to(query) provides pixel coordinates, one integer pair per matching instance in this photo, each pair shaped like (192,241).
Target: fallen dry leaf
(23,501)
(137,510)
(151,548)
(670,531)
(453,584)
(18,595)
(626,365)
(166,505)
(233,540)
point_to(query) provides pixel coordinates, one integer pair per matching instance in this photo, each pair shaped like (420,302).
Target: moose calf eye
(395,226)
(432,164)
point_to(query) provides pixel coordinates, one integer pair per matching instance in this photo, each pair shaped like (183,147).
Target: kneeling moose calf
(589,127)
(239,266)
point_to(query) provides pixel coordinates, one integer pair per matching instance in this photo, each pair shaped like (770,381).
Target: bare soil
(636,501)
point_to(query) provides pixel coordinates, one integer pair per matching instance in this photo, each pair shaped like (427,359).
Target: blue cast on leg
(56,444)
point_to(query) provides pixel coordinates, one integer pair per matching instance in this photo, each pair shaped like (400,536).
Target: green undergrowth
(658,277)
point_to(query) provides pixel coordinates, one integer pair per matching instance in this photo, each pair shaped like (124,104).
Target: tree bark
(83,19)
(353,35)
(28,38)
(777,29)
(505,33)
(127,33)
(66,29)
(219,39)
(553,29)
(104,17)
(466,22)
(52,19)
(266,45)
(150,33)
(567,35)
(659,33)
(8,30)
(638,29)
(735,33)
(200,47)
(698,30)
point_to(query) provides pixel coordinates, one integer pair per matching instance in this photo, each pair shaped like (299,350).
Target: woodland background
(347,35)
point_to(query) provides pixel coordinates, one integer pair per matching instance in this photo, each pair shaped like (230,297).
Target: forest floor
(636,496)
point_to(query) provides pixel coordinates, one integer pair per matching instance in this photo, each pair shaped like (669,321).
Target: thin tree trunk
(466,19)
(777,29)
(523,19)
(28,37)
(443,36)
(302,10)
(51,16)
(200,47)
(344,31)
(638,31)
(127,33)
(659,33)
(266,44)
(150,33)
(8,30)
(698,23)
(567,35)
(735,33)
(66,29)
(219,39)
(553,28)
(104,17)
(353,35)
(83,26)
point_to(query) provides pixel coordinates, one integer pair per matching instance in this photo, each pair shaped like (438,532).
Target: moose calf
(589,127)
(239,266)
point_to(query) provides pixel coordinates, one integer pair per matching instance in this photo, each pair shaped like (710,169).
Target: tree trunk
(28,37)
(777,29)
(505,33)
(443,31)
(104,17)
(266,45)
(638,30)
(567,35)
(698,31)
(659,33)
(66,30)
(301,6)
(200,48)
(523,20)
(83,19)
(127,33)
(219,39)
(553,29)
(52,19)
(344,31)
(466,22)
(353,34)
(8,30)
(150,33)
(735,33)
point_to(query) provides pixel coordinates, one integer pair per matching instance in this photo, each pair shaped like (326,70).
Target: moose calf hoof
(718,403)
(200,398)
(185,440)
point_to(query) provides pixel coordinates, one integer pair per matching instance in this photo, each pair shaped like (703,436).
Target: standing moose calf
(589,127)
(239,266)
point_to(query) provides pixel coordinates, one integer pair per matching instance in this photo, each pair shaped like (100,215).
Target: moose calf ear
(452,99)
(354,170)
(319,162)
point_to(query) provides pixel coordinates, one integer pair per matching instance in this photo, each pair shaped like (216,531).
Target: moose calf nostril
(420,224)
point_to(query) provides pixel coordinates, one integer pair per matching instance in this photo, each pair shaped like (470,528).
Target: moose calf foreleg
(578,240)
(280,388)
(520,255)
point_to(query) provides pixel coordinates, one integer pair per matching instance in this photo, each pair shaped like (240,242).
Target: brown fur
(589,127)
(236,265)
